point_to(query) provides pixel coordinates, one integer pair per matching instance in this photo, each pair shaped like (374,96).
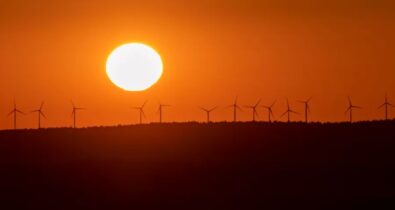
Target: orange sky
(212,51)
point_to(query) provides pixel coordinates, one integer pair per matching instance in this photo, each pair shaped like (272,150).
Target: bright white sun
(134,67)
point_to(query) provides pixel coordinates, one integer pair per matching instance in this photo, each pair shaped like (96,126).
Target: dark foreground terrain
(199,166)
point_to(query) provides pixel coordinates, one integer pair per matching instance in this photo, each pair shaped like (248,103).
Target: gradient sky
(212,51)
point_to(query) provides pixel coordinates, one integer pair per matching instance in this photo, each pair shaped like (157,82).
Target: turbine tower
(141,110)
(288,112)
(385,105)
(40,113)
(235,107)
(350,108)
(160,110)
(74,113)
(14,112)
(306,109)
(270,111)
(208,111)
(254,111)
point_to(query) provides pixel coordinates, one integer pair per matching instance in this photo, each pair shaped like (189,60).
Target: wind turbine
(40,113)
(235,107)
(385,105)
(306,108)
(208,111)
(254,111)
(161,111)
(269,111)
(15,111)
(288,112)
(350,108)
(74,113)
(141,110)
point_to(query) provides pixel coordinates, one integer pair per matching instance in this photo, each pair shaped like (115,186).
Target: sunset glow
(210,52)
(255,104)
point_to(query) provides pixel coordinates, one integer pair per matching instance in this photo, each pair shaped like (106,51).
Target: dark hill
(200,166)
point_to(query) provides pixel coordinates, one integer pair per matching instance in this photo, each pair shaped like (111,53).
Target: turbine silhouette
(141,110)
(74,113)
(350,109)
(306,108)
(235,107)
(289,112)
(254,111)
(15,111)
(40,113)
(386,104)
(269,111)
(208,111)
(161,106)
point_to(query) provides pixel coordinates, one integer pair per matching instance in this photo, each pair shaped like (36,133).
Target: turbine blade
(271,112)
(347,110)
(284,114)
(292,111)
(349,101)
(214,108)
(42,114)
(382,105)
(19,111)
(145,102)
(42,104)
(203,109)
(271,106)
(257,103)
(12,112)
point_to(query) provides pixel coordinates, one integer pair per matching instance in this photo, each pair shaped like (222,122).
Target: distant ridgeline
(199,166)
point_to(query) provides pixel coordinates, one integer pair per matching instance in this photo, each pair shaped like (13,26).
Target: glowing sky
(212,51)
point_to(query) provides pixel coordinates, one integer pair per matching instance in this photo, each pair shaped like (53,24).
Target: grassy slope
(199,166)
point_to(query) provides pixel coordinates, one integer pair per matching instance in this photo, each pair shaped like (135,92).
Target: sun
(134,67)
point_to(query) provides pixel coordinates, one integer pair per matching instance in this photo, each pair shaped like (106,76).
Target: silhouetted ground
(200,166)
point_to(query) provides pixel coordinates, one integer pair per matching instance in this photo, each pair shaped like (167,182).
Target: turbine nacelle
(254,109)
(289,111)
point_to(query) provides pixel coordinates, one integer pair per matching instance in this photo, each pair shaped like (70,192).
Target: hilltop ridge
(199,166)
